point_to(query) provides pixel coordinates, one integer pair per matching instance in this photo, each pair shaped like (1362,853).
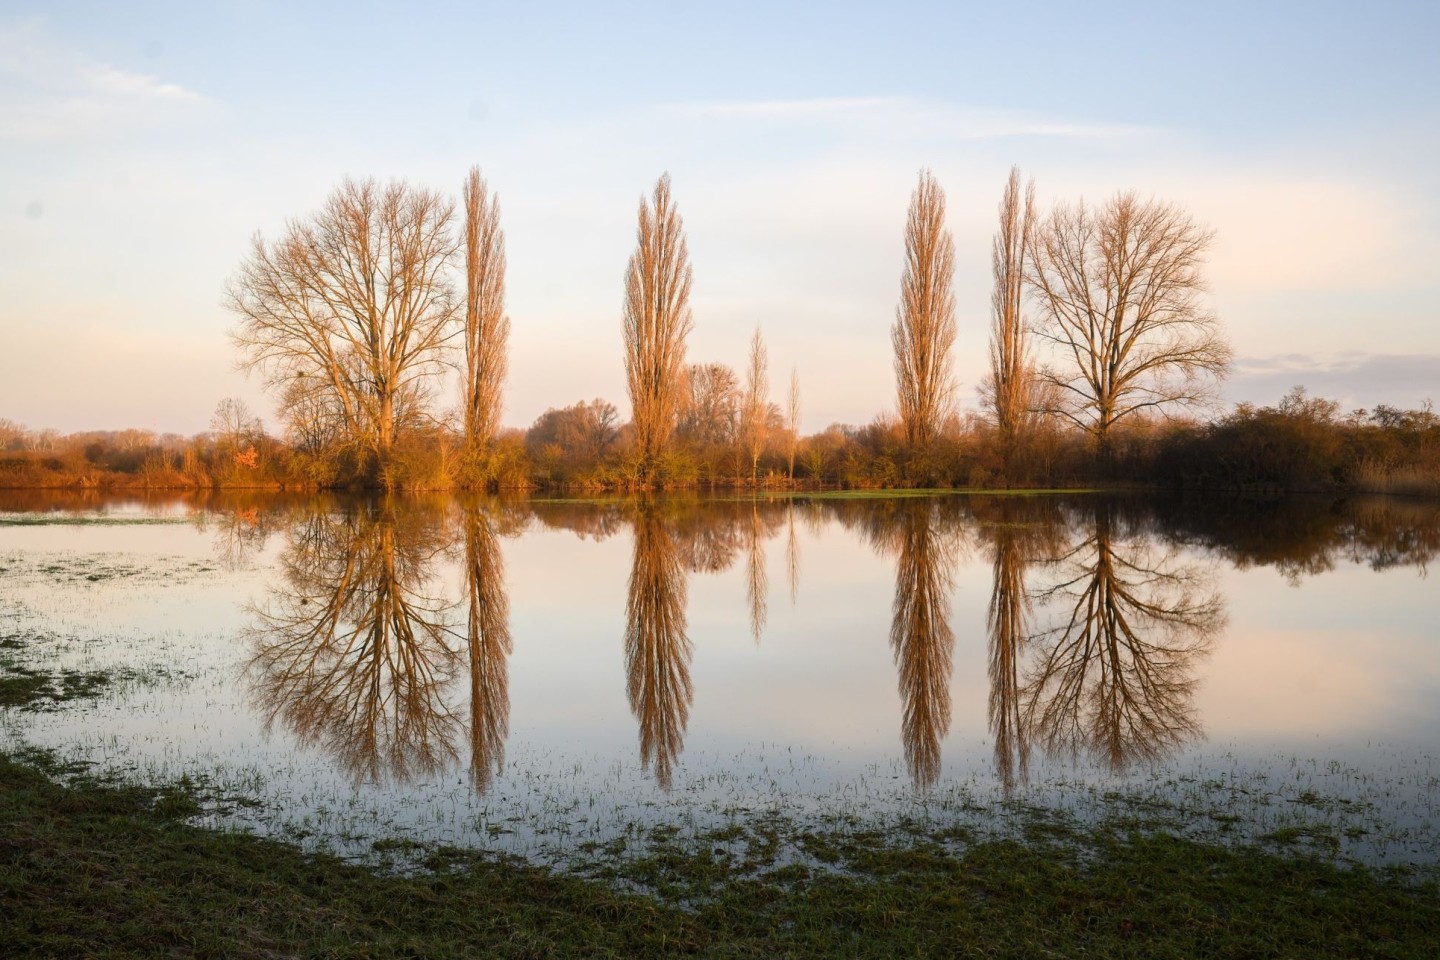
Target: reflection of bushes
(1302,537)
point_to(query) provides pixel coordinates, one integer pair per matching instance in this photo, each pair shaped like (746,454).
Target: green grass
(100,869)
(27,686)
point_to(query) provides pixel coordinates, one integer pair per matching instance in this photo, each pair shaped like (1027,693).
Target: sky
(143,145)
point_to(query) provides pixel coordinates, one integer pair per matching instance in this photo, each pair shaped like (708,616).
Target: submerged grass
(27,686)
(100,869)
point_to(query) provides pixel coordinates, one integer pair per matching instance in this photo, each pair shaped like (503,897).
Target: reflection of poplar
(1016,531)
(792,554)
(1009,606)
(657,651)
(490,647)
(757,582)
(921,638)
(1115,675)
(351,653)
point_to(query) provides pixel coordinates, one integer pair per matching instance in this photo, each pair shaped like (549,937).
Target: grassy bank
(101,869)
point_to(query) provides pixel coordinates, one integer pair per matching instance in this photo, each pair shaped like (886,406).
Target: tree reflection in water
(489,645)
(657,649)
(353,650)
(1112,672)
(357,651)
(792,553)
(757,581)
(920,634)
(1017,531)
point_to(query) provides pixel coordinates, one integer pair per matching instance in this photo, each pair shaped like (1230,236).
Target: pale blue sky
(142,145)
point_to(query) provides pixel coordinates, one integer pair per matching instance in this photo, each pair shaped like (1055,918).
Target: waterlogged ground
(572,682)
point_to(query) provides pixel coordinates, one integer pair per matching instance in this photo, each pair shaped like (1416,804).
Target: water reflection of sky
(1212,643)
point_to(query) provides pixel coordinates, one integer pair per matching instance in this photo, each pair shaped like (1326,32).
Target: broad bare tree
(657,321)
(355,301)
(925,320)
(755,416)
(1009,390)
(1118,290)
(487,329)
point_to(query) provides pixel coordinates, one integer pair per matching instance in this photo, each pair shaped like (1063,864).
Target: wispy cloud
(909,116)
(1354,378)
(112,82)
(56,92)
(814,107)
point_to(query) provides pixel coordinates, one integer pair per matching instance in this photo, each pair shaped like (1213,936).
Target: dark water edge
(1292,530)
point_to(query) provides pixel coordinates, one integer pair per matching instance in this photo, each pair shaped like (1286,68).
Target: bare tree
(357,301)
(232,424)
(757,404)
(12,435)
(1119,295)
(712,409)
(657,320)
(487,329)
(925,320)
(1009,389)
(793,420)
(313,416)
(572,438)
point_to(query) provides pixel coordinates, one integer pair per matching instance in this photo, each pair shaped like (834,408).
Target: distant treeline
(1303,443)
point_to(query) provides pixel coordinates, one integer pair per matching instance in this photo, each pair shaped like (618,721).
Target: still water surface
(534,676)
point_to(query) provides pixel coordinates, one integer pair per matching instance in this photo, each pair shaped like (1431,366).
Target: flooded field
(564,680)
